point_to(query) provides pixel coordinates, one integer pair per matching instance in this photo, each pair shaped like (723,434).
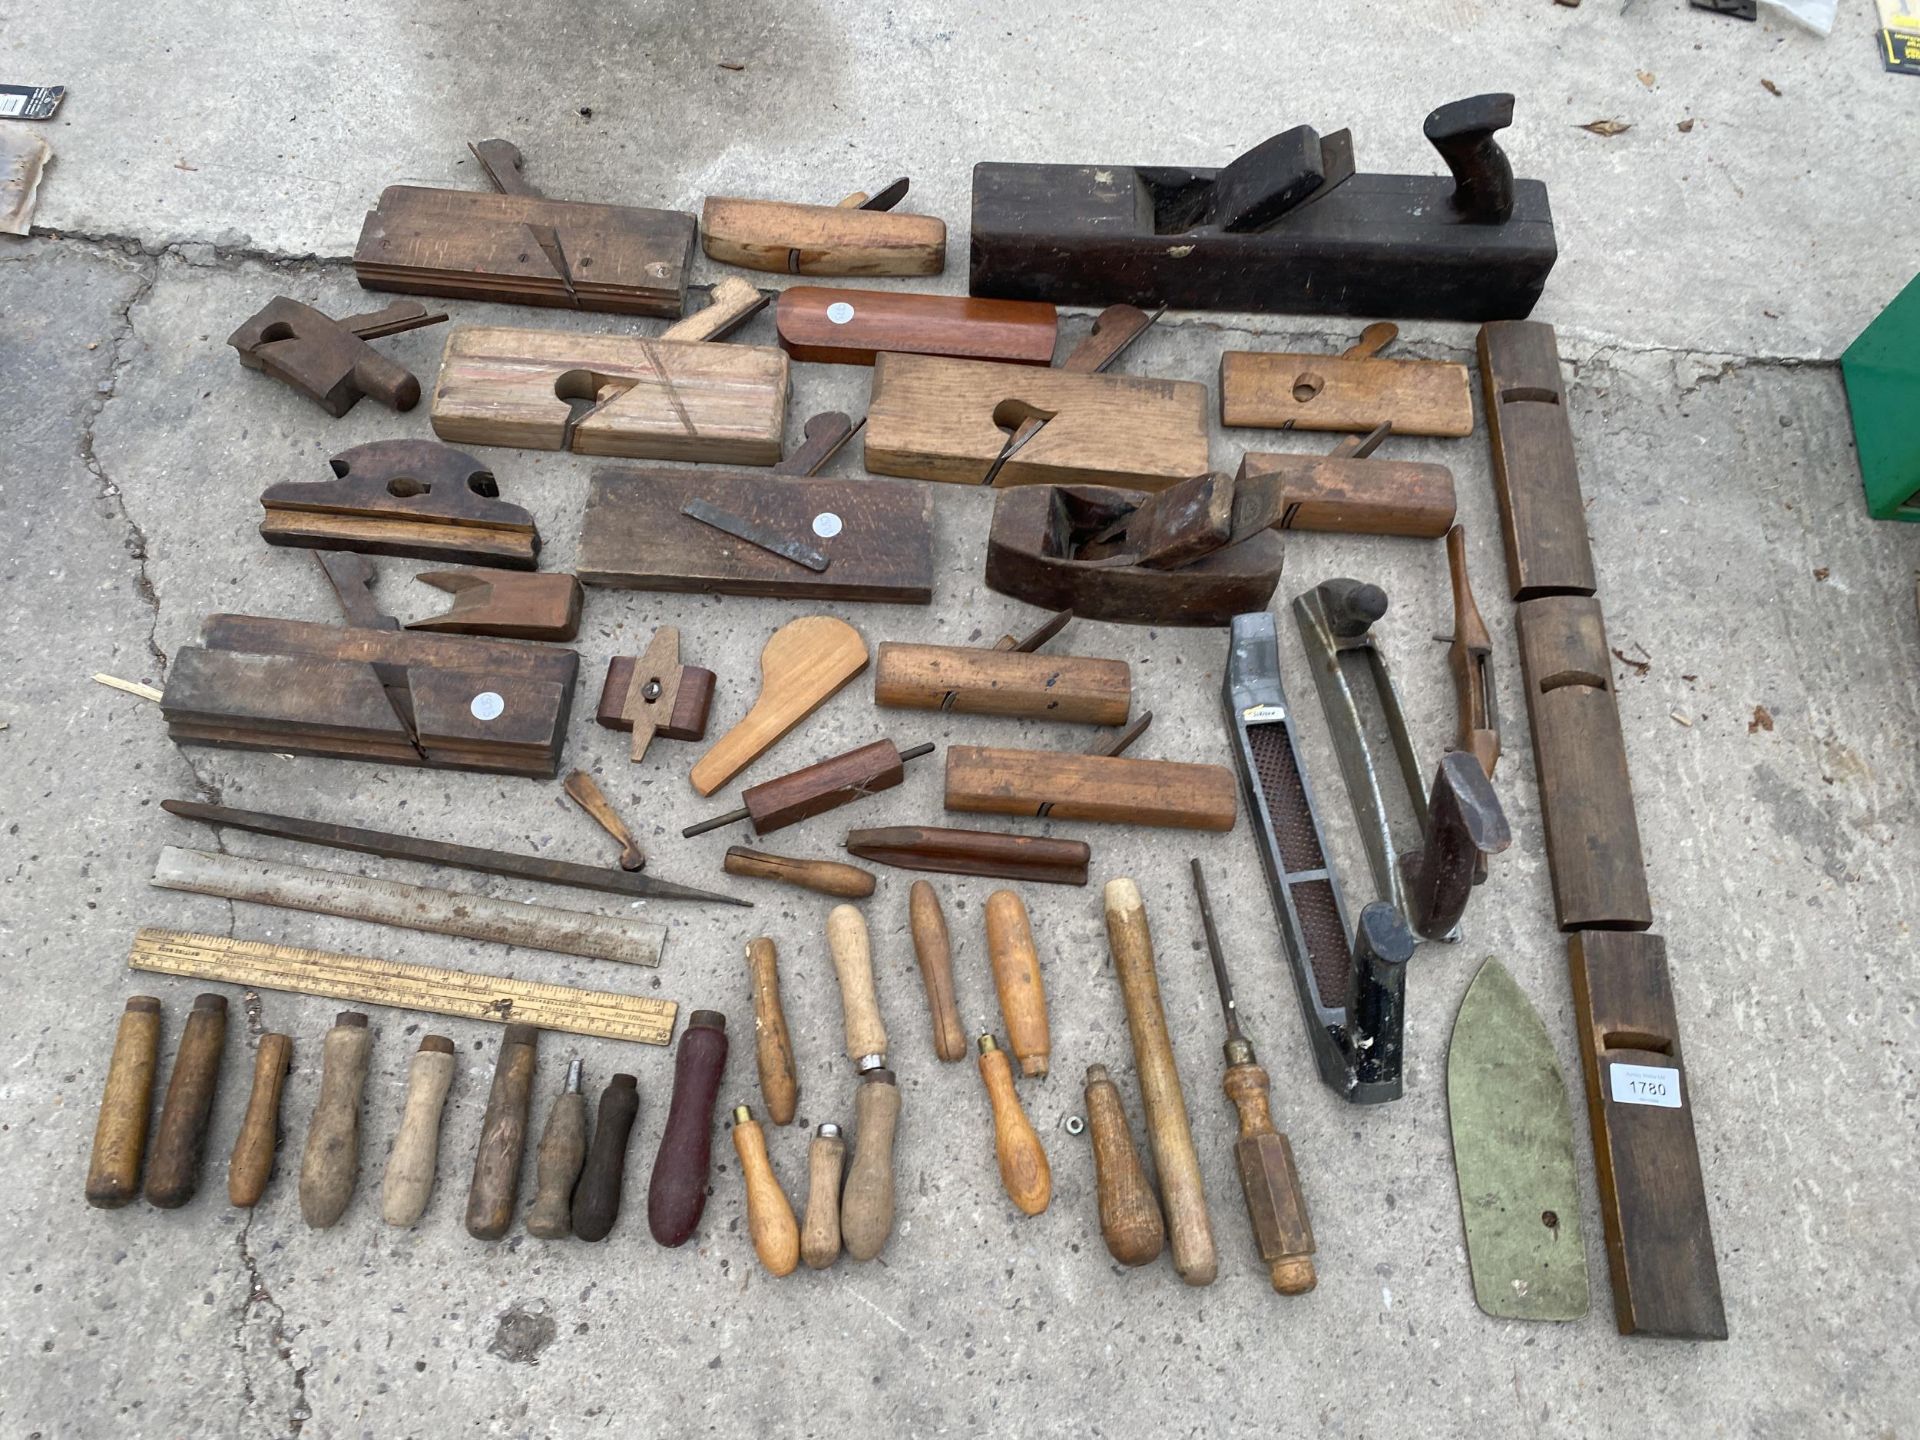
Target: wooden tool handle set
(1106,508)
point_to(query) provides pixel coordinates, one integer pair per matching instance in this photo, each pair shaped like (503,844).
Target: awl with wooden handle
(416,1148)
(331,1163)
(120,1134)
(251,1164)
(677,1191)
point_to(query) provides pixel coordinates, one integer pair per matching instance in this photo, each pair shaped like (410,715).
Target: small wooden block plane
(655,696)
(328,360)
(802,665)
(858,236)
(849,327)
(511,605)
(1354,391)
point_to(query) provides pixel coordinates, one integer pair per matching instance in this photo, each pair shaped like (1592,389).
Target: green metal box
(1882,374)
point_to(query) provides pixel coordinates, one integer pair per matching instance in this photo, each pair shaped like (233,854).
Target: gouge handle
(677,1191)
(853,963)
(866,1210)
(596,1200)
(935,951)
(251,1164)
(824,877)
(556,1167)
(776,1236)
(120,1134)
(772,1042)
(503,1137)
(416,1148)
(1130,1219)
(173,1173)
(1275,1205)
(820,1232)
(1024,1171)
(331,1163)
(1016,976)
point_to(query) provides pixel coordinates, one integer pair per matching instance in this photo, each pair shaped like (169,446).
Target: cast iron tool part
(1465,825)
(677,1191)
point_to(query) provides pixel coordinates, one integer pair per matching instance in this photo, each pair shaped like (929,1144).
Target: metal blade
(785,546)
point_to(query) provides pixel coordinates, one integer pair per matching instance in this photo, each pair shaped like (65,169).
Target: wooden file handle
(935,951)
(587,794)
(596,1200)
(251,1164)
(1130,1220)
(776,1236)
(823,877)
(173,1173)
(853,962)
(1024,1171)
(503,1136)
(1168,1134)
(1267,1175)
(556,1164)
(416,1148)
(866,1210)
(120,1134)
(773,1045)
(820,1234)
(331,1163)
(677,1192)
(1016,976)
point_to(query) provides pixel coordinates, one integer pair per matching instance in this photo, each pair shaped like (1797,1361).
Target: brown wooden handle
(866,1210)
(677,1189)
(853,962)
(331,1163)
(587,794)
(1130,1219)
(974,852)
(120,1134)
(173,1170)
(1272,1185)
(596,1200)
(1023,1163)
(935,951)
(416,1147)
(820,1231)
(776,1236)
(773,1045)
(1016,975)
(825,877)
(825,785)
(503,1137)
(730,304)
(1168,1134)
(556,1166)
(1076,688)
(251,1164)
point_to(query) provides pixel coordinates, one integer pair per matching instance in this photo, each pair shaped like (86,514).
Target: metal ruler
(264,965)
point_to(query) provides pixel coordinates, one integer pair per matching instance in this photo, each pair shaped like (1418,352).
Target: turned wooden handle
(776,1237)
(820,1233)
(1168,1134)
(503,1136)
(825,877)
(1023,1163)
(1130,1220)
(173,1171)
(853,962)
(416,1147)
(251,1164)
(866,1210)
(331,1163)
(120,1134)
(935,949)
(596,1200)
(556,1166)
(677,1191)
(1016,975)
(773,1045)
(1275,1203)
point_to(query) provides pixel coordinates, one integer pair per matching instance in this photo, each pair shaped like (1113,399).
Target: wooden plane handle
(1016,977)
(773,1044)
(803,664)
(1024,1171)
(120,1134)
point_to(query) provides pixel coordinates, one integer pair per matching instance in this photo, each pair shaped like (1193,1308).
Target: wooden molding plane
(655,696)
(983,780)
(328,360)
(1288,227)
(508,604)
(403,497)
(1347,492)
(858,236)
(849,327)
(1586,795)
(520,248)
(973,680)
(1653,1201)
(1543,516)
(1355,390)
(396,696)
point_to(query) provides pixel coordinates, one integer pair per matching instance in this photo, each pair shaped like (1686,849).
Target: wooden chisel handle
(773,1044)
(1267,1175)
(331,1163)
(557,1162)
(866,1210)
(251,1163)
(596,1201)
(1130,1220)
(935,950)
(416,1148)
(825,877)
(776,1235)
(820,1232)
(173,1171)
(853,963)
(503,1136)
(1023,1163)
(120,1134)
(677,1191)
(1016,975)
(1168,1134)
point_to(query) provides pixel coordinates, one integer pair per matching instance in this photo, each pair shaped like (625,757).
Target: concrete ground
(210,157)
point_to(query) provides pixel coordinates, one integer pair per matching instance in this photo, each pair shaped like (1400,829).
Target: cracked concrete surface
(1739,572)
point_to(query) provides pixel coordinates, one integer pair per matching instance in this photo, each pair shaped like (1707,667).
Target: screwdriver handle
(1023,1163)
(416,1147)
(120,1134)
(853,962)
(820,1232)
(935,951)
(1274,1203)
(331,1163)
(556,1167)
(772,1042)
(1016,976)
(866,1210)
(503,1136)
(677,1191)
(824,877)
(596,1200)
(251,1164)
(173,1173)
(776,1236)
(1130,1219)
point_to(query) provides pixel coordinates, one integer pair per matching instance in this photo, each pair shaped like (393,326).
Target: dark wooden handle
(820,1231)
(556,1167)
(503,1137)
(596,1200)
(776,1235)
(251,1164)
(1463,132)
(677,1193)
(416,1148)
(1024,1172)
(173,1173)
(824,877)
(974,852)
(120,1134)
(1016,976)
(774,804)
(773,1045)
(331,1163)
(866,1210)
(935,951)
(1130,1219)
